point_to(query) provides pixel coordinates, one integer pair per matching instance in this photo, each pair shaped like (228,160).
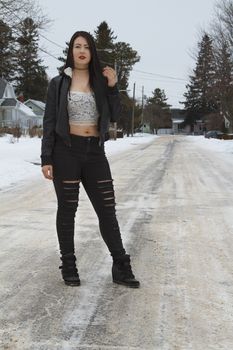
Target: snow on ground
(216,145)
(21,160)
(220,147)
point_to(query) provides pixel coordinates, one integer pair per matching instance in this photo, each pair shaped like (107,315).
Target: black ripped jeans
(85,162)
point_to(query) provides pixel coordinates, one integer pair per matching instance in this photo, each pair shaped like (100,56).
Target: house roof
(25,109)
(39,104)
(3,84)
(177,121)
(177,113)
(13,102)
(9,102)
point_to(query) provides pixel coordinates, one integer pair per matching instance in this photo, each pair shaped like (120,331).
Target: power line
(160,75)
(62,47)
(133,70)
(39,48)
(159,80)
(51,41)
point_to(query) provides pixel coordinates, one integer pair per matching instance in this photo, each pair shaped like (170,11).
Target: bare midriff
(84,130)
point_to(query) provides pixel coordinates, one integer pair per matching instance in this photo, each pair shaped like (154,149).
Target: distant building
(38,108)
(178,117)
(13,112)
(145,127)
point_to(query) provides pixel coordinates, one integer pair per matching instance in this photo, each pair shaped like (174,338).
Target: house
(38,107)
(144,127)
(13,112)
(178,117)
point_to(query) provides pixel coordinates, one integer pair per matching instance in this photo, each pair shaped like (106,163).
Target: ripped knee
(106,189)
(71,191)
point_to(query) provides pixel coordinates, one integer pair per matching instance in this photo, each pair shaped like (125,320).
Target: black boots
(122,272)
(69,270)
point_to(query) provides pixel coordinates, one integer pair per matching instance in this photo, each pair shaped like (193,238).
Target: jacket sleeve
(49,123)
(114,103)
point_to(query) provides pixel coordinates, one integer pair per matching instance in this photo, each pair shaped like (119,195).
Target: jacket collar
(68,71)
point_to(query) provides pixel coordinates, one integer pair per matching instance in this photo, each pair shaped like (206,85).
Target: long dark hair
(97,81)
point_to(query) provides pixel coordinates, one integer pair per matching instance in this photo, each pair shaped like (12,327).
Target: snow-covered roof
(25,109)
(9,102)
(39,104)
(3,84)
(14,103)
(6,89)
(177,121)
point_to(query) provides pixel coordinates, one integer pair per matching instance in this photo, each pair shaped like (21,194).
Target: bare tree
(12,15)
(222,33)
(12,12)
(222,26)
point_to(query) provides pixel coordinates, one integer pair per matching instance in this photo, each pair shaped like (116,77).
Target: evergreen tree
(121,56)
(159,98)
(201,97)
(104,40)
(63,59)
(31,81)
(157,111)
(104,36)
(125,58)
(7,52)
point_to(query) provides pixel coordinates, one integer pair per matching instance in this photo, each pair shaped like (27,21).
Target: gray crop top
(82,108)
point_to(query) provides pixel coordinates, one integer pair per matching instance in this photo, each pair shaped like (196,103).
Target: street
(175,210)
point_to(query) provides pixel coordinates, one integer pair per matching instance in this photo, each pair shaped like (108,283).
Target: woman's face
(81,52)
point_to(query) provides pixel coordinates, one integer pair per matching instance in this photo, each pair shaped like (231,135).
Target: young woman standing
(81,102)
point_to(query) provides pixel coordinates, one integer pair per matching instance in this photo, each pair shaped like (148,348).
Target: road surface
(175,210)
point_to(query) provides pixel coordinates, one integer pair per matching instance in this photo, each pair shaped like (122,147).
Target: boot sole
(72,284)
(126,284)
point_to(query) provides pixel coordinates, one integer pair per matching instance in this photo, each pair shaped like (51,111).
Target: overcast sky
(163,32)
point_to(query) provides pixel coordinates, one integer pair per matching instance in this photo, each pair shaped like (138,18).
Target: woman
(81,102)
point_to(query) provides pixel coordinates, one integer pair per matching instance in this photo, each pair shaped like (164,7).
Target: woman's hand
(47,171)
(111,75)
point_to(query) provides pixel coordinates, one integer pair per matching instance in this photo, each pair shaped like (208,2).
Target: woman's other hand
(111,75)
(47,171)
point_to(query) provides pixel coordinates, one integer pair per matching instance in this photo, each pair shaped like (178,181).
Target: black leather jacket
(56,119)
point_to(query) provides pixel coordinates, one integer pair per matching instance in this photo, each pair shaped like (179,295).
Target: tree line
(209,93)
(20,62)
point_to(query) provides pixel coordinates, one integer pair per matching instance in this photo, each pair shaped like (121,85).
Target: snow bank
(225,146)
(221,148)
(21,160)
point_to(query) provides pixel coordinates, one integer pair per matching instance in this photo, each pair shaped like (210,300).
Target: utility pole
(142,121)
(115,65)
(132,130)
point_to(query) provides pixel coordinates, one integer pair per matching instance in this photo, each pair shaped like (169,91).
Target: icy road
(175,209)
